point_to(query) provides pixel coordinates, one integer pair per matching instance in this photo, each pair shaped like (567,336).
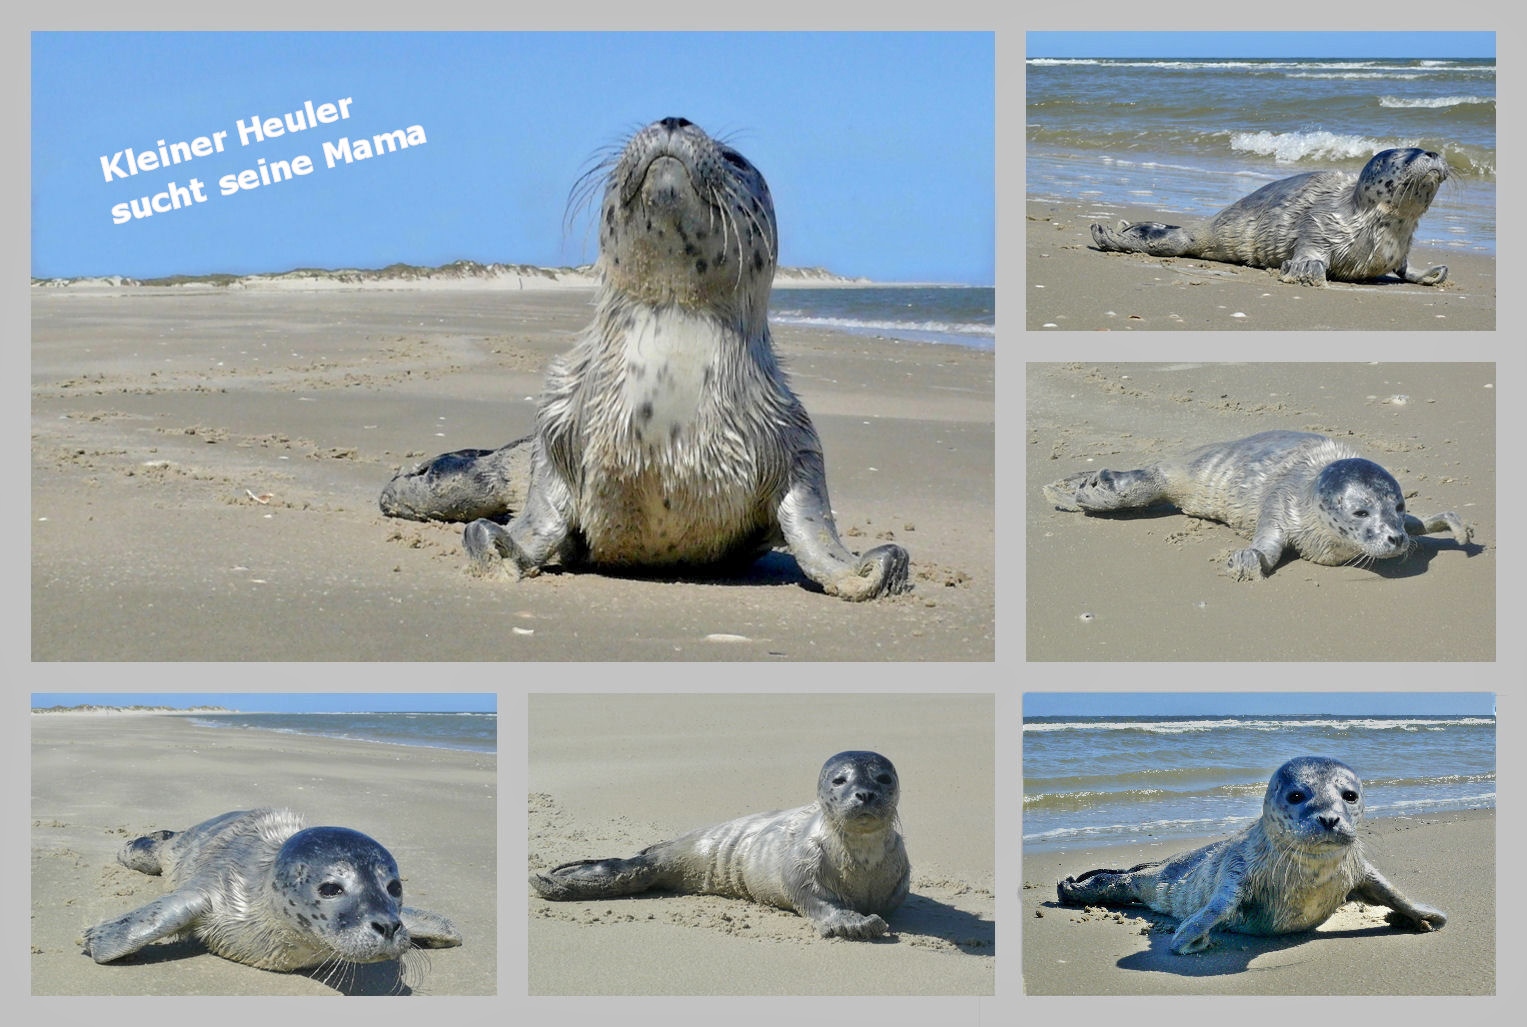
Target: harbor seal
(1286,489)
(258,887)
(1287,872)
(839,862)
(1319,226)
(668,437)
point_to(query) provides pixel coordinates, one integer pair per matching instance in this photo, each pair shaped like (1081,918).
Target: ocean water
(475,732)
(954,315)
(1189,137)
(1114,780)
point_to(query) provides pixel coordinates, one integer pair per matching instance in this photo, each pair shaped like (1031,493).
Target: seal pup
(1287,872)
(668,436)
(1312,227)
(839,862)
(257,887)
(1286,489)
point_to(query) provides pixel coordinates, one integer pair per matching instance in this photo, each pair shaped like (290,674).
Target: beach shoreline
(1072,286)
(98,781)
(1446,860)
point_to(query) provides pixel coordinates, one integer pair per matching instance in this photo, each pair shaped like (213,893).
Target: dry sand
(101,780)
(1443,860)
(610,775)
(159,414)
(1073,286)
(1151,582)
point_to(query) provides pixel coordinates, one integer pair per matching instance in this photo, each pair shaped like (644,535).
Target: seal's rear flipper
(597,878)
(462,486)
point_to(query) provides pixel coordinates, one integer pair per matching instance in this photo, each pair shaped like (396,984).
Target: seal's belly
(671,468)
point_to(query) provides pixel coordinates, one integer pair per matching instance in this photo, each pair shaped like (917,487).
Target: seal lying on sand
(1286,489)
(668,437)
(258,888)
(1287,872)
(1311,227)
(838,862)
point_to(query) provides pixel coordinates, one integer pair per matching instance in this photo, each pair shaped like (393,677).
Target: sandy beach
(206,465)
(610,775)
(1148,586)
(1072,286)
(99,780)
(1443,860)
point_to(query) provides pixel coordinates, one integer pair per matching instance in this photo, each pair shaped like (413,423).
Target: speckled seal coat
(668,436)
(1284,489)
(257,887)
(1287,872)
(839,862)
(1319,226)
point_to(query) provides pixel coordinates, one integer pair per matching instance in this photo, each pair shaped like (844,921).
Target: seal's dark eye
(395,889)
(1296,797)
(1359,513)
(329,889)
(1349,795)
(839,779)
(884,779)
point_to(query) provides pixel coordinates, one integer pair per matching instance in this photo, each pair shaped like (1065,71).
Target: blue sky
(879,148)
(1261,44)
(284,702)
(1132,704)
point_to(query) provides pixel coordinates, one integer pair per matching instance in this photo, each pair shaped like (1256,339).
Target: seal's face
(686,220)
(1403,181)
(860,790)
(1314,803)
(342,887)
(1362,503)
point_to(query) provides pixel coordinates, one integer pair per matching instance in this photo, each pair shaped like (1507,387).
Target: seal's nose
(674,124)
(387,928)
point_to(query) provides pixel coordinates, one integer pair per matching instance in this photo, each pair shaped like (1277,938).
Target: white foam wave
(1433,101)
(1289,147)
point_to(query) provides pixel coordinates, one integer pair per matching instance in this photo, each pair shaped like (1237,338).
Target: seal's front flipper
(805,520)
(1431,276)
(1449,522)
(162,918)
(1374,889)
(1303,271)
(429,930)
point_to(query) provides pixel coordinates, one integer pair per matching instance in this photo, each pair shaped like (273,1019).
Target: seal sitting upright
(839,862)
(257,887)
(668,436)
(1312,227)
(1286,489)
(1287,872)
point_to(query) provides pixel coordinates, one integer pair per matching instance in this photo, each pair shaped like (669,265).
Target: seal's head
(1313,803)
(342,887)
(1402,181)
(1362,505)
(859,790)
(687,220)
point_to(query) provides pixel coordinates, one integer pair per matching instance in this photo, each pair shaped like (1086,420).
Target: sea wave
(1433,101)
(1167,727)
(1290,147)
